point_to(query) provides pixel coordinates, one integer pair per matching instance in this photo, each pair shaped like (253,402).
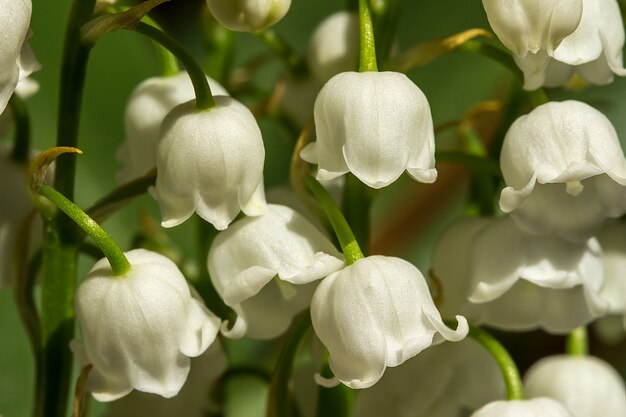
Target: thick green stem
(21,147)
(347,240)
(204,97)
(60,251)
(577,343)
(512,379)
(115,255)
(367,50)
(295,64)
(279,403)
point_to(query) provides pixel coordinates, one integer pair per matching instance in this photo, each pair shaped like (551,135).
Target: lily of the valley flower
(375,125)
(537,407)
(140,329)
(248,15)
(507,278)
(376,313)
(16,58)
(334,46)
(264,267)
(594,50)
(565,171)
(210,162)
(147,106)
(448,389)
(586,385)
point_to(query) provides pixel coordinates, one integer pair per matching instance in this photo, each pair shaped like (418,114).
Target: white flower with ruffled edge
(565,171)
(210,162)
(248,15)
(375,125)
(147,106)
(17,60)
(536,407)
(373,314)
(265,267)
(139,329)
(506,278)
(588,386)
(594,50)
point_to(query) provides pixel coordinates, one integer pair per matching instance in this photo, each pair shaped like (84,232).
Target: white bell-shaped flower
(334,45)
(210,162)
(147,106)
(532,30)
(506,278)
(375,313)
(375,125)
(193,400)
(447,388)
(593,50)
(586,385)
(248,15)
(16,58)
(536,407)
(565,171)
(261,267)
(140,329)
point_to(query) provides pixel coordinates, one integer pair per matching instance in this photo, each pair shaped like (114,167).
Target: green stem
(367,50)
(577,342)
(60,251)
(356,205)
(116,257)
(279,403)
(295,64)
(21,147)
(347,240)
(167,61)
(512,379)
(204,97)
(538,97)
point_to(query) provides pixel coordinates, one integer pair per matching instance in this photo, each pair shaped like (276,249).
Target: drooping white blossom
(565,171)
(334,46)
(373,314)
(375,125)
(210,162)
(593,50)
(193,400)
(265,267)
(509,279)
(147,106)
(248,15)
(446,386)
(536,407)
(586,385)
(17,60)
(140,329)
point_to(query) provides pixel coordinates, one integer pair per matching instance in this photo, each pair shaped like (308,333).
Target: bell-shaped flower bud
(593,50)
(565,171)
(449,388)
(248,15)
(536,407)
(193,400)
(210,162)
(531,26)
(375,125)
(147,106)
(16,58)
(375,313)
(334,46)
(509,279)
(140,329)
(264,267)
(586,385)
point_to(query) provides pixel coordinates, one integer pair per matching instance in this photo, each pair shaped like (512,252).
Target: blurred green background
(452,83)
